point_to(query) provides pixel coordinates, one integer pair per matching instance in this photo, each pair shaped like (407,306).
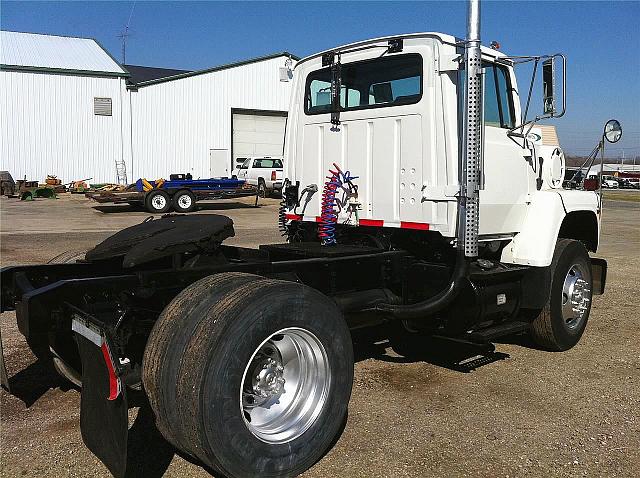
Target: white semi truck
(418,194)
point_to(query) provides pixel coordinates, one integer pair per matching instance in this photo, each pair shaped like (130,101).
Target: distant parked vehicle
(629,183)
(264,172)
(610,182)
(634,183)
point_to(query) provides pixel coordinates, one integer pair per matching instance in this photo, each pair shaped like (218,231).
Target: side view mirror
(612,131)
(548,86)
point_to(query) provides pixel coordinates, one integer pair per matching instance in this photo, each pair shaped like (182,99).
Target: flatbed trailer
(179,195)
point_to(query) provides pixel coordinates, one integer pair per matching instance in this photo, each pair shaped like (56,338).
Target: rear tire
(184,201)
(305,336)
(167,341)
(157,202)
(562,321)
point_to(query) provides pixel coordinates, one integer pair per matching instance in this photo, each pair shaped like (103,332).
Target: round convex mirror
(613,131)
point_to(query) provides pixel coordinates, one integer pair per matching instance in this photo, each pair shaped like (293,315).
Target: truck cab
(400,131)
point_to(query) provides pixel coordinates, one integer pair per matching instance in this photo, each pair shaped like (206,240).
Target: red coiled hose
(328,214)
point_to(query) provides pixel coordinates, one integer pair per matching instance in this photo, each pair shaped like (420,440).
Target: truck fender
(536,241)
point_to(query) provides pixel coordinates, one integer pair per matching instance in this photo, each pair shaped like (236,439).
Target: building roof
(57,54)
(148,73)
(219,68)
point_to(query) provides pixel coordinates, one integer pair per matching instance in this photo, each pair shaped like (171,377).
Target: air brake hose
(434,304)
(338,180)
(282,212)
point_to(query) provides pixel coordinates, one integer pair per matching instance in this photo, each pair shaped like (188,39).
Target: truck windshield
(389,81)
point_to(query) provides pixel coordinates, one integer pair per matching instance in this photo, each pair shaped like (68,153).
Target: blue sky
(601,40)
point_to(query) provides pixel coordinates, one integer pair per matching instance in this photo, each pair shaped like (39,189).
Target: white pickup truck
(264,172)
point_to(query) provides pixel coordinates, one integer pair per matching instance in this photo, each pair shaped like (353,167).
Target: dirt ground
(524,413)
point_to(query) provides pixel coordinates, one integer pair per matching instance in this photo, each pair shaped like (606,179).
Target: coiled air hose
(282,212)
(328,214)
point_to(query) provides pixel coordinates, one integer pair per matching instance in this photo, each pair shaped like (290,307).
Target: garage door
(257,135)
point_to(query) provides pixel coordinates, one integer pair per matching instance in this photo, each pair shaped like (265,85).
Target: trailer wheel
(158,202)
(184,201)
(562,321)
(168,338)
(264,380)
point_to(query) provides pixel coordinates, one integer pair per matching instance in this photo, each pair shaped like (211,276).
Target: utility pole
(125,34)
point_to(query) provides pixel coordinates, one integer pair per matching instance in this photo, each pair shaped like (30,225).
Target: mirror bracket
(513,132)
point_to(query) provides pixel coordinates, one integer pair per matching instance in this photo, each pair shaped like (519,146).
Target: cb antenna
(125,34)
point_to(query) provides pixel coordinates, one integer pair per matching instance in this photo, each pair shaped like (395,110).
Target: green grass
(624,195)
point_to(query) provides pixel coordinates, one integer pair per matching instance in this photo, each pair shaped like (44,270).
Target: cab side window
(498,102)
(498,108)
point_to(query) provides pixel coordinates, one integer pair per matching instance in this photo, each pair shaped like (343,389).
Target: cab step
(491,333)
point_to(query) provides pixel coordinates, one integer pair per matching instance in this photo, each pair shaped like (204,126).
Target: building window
(102,106)
(389,81)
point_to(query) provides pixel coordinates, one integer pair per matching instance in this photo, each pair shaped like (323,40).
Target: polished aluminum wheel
(285,385)
(576,296)
(158,202)
(184,201)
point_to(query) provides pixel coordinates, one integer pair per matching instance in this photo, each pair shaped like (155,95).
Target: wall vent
(102,106)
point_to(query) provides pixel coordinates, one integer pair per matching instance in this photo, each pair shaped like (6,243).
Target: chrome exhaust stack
(469,205)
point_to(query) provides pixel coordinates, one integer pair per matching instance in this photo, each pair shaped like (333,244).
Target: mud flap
(103,417)
(4,377)
(599,275)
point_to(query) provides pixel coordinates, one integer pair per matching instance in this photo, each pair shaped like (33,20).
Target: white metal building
(63,108)
(196,122)
(68,108)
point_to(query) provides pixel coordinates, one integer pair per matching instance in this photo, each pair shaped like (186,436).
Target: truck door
(506,174)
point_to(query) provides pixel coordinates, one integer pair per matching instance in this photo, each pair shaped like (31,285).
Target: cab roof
(442,37)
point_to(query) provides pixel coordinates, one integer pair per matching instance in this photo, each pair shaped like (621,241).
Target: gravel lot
(529,413)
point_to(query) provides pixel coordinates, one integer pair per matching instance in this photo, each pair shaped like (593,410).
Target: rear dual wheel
(250,375)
